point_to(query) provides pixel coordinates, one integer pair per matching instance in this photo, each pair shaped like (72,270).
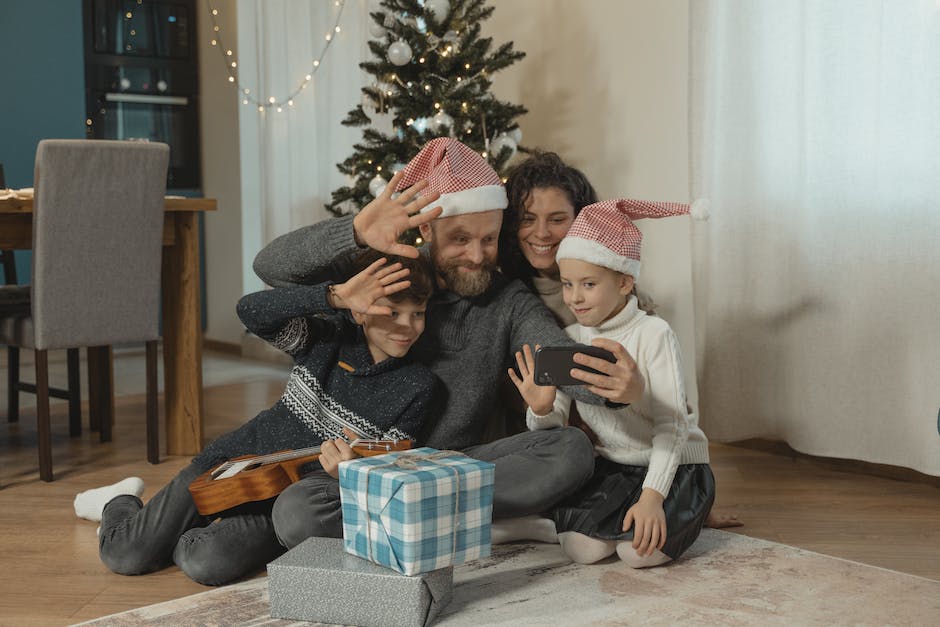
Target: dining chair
(14,299)
(97,237)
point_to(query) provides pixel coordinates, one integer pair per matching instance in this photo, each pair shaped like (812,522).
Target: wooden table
(182,324)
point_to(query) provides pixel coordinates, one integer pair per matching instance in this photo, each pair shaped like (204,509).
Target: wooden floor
(50,573)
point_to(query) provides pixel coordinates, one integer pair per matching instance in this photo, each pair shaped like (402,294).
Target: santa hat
(466,182)
(604,233)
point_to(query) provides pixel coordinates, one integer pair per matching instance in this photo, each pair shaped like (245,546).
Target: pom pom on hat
(701,209)
(466,182)
(604,233)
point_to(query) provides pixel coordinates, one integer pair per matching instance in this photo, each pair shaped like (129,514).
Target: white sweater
(657,431)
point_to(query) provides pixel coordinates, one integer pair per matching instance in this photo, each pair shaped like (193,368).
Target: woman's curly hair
(540,170)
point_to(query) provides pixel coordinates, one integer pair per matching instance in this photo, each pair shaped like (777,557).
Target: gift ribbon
(409,461)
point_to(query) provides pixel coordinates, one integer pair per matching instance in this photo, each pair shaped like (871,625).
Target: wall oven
(141,78)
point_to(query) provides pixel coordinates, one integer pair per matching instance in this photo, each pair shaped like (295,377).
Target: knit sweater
(389,399)
(467,342)
(658,431)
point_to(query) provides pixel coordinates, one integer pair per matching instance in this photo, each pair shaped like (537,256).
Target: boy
(348,379)
(652,487)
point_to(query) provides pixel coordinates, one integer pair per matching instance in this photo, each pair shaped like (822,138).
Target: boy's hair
(540,170)
(420,274)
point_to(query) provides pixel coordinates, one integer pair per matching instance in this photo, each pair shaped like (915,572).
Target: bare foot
(718,520)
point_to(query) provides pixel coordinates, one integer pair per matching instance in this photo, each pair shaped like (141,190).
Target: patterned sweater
(389,399)
(467,342)
(658,431)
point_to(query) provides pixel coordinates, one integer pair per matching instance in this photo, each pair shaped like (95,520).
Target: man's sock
(536,528)
(90,503)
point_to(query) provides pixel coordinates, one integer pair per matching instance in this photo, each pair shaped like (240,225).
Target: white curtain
(816,135)
(289,158)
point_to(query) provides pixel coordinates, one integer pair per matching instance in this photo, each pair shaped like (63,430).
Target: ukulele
(259,477)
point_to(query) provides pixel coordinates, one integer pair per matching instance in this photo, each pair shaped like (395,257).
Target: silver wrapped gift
(318,581)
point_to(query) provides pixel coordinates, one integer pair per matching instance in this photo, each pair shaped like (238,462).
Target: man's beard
(466,283)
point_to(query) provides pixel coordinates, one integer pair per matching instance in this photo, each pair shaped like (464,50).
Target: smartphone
(553,364)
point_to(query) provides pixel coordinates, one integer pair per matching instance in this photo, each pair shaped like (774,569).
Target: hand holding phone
(540,399)
(553,364)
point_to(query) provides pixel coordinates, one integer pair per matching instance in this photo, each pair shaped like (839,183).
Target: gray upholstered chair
(97,235)
(14,299)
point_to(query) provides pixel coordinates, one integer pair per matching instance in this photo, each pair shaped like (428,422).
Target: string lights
(247,95)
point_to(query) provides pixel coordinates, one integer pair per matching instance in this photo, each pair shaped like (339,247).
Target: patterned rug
(724,579)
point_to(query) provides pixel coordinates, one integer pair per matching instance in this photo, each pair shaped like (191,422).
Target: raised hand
(621,382)
(540,398)
(360,292)
(382,221)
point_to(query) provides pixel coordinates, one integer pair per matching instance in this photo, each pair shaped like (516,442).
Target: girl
(652,488)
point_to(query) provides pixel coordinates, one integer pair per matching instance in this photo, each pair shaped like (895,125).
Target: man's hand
(649,521)
(382,221)
(621,381)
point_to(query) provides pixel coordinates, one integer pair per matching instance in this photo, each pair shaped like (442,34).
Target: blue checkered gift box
(416,511)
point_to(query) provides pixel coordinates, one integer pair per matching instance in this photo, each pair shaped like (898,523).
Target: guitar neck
(361,446)
(271,459)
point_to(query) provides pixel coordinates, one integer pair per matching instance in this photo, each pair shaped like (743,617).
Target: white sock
(524,528)
(90,503)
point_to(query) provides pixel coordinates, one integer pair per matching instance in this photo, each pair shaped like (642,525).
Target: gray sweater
(468,342)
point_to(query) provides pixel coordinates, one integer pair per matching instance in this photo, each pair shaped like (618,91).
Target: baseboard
(253,347)
(218,346)
(886,471)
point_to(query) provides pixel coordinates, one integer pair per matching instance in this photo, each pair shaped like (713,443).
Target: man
(476,320)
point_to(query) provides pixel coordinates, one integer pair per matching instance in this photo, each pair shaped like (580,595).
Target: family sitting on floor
(616,464)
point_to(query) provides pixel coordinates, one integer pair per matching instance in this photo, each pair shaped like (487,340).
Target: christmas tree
(431,74)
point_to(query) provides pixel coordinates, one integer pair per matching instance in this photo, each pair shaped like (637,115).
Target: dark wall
(42,85)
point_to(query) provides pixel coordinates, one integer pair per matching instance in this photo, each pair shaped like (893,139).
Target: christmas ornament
(347,207)
(399,53)
(377,185)
(437,8)
(396,167)
(502,141)
(376,30)
(441,121)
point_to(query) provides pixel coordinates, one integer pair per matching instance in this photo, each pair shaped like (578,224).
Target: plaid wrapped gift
(417,511)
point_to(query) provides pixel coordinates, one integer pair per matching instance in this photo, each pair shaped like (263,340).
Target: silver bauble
(438,8)
(377,185)
(399,53)
(441,122)
(500,142)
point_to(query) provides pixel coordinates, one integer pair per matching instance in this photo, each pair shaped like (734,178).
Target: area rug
(724,579)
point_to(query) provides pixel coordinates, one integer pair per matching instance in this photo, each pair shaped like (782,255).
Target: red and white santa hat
(604,233)
(465,180)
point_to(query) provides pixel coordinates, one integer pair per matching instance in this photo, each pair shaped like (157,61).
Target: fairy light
(272,102)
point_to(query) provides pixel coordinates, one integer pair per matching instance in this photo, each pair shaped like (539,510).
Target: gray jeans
(136,539)
(534,471)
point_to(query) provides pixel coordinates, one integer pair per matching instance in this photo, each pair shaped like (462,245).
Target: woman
(545,195)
